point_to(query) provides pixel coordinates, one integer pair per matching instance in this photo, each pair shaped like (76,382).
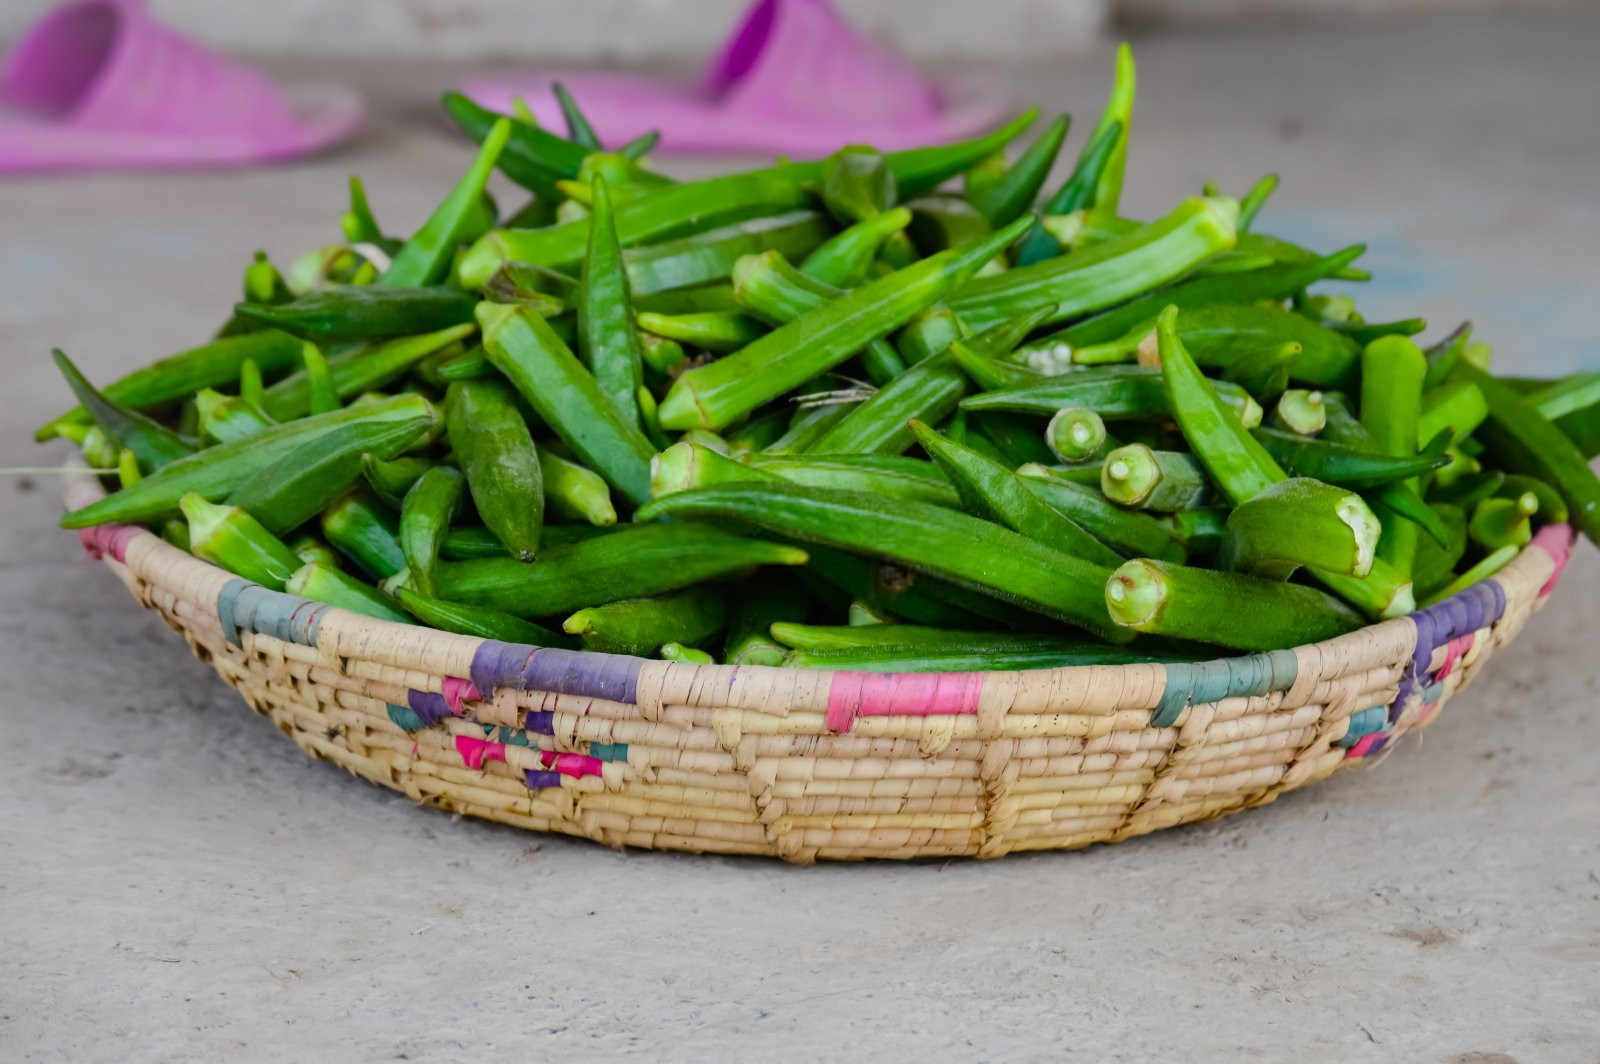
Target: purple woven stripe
(1477,606)
(537,779)
(541,722)
(499,665)
(614,677)
(430,707)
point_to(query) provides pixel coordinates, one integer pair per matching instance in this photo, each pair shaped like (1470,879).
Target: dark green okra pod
(318,582)
(425,516)
(496,453)
(152,444)
(476,620)
(566,396)
(605,323)
(642,625)
(218,471)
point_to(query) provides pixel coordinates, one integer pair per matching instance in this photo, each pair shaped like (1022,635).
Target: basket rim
(1550,547)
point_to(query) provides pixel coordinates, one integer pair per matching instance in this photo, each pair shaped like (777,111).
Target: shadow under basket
(805,764)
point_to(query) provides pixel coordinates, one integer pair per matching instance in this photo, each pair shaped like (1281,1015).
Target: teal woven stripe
(609,751)
(405,718)
(1363,724)
(1212,681)
(246,607)
(1433,692)
(510,736)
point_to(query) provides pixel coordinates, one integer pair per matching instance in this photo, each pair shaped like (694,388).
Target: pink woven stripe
(877,694)
(476,751)
(100,540)
(456,691)
(1556,541)
(1367,743)
(575,765)
(1452,653)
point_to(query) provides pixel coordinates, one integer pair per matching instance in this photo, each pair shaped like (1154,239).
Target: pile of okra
(899,411)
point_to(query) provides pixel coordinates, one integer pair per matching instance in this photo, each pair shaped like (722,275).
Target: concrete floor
(178,882)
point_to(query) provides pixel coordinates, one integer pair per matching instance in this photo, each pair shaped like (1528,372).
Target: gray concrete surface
(179,882)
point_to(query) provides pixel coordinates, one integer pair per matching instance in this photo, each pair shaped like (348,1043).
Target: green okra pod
(579,131)
(1570,394)
(857,183)
(770,288)
(1076,434)
(308,548)
(1301,522)
(843,259)
(1010,195)
(749,642)
(1078,193)
(1365,332)
(391,479)
(566,396)
(1201,530)
(128,473)
(605,324)
(359,227)
(642,625)
(1164,481)
(217,472)
(1242,468)
(1392,370)
(252,389)
(290,491)
(364,312)
(366,534)
(497,454)
(321,584)
(1437,559)
(713,330)
(1128,532)
(964,550)
(321,398)
(990,490)
(228,536)
(182,374)
(1456,408)
(1264,372)
(1252,202)
(98,450)
(657,269)
(1551,506)
(631,562)
(1113,392)
(1342,464)
(693,206)
(152,444)
(1108,273)
(1500,521)
(991,374)
(476,620)
(575,493)
(1275,282)
(425,258)
(532,157)
(359,369)
(716,394)
(1229,609)
(684,655)
(1490,564)
(425,516)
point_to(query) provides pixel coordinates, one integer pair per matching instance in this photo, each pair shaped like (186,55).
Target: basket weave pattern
(808,764)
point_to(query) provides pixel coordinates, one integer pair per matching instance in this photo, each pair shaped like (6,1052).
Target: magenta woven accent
(476,751)
(457,691)
(575,765)
(876,694)
(1556,541)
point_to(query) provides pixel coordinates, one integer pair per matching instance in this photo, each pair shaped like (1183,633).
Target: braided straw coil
(806,764)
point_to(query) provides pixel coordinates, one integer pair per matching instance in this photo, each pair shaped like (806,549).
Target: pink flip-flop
(100,84)
(792,78)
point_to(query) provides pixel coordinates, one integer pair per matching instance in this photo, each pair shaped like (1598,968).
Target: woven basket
(806,764)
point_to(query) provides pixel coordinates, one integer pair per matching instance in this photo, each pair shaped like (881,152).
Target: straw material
(808,764)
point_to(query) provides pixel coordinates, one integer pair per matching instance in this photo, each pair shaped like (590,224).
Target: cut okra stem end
(1135,594)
